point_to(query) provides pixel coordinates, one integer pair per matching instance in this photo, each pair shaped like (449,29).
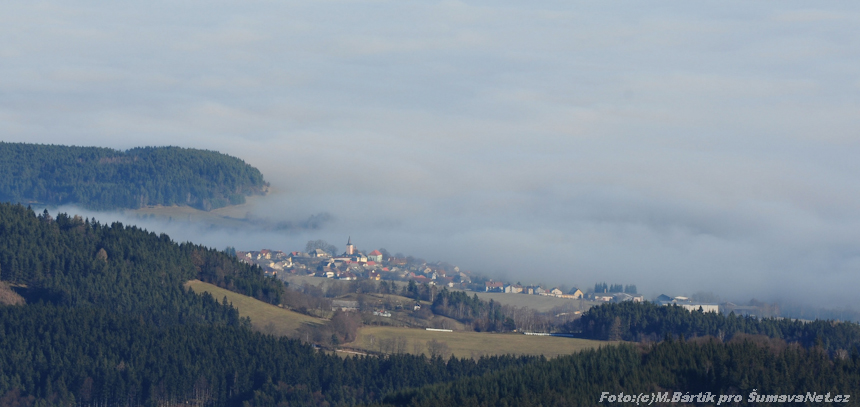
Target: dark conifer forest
(107,322)
(638,322)
(689,367)
(103,178)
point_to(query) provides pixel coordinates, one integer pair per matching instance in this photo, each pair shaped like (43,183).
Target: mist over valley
(548,143)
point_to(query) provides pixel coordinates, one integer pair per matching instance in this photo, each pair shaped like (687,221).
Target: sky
(681,147)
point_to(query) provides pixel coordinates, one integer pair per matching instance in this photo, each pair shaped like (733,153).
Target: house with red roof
(375,255)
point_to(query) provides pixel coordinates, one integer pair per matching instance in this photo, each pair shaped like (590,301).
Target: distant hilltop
(102,178)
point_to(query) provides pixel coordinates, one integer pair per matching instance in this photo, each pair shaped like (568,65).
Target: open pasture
(264,317)
(468,344)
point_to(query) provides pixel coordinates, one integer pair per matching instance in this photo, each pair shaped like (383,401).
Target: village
(353,264)
(379,265)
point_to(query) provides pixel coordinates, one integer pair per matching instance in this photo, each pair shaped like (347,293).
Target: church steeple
(350,249)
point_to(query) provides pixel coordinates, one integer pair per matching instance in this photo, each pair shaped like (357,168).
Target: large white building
(688,304)
(715,308)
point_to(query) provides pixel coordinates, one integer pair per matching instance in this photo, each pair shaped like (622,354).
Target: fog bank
(683,148)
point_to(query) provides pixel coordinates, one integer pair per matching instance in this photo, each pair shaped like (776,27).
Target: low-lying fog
(681,148)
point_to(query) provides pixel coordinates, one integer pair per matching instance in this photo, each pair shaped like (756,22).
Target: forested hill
(103,178)
(107,323)
(70,261)
(631,321)
(753,371)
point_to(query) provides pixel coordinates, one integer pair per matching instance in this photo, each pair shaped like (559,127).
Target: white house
(375,255)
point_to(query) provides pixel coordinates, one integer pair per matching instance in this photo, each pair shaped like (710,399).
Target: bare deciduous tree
(438,348)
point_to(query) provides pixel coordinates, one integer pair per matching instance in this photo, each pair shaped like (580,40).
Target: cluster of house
(500,287)
(271,261)
(573,293)
(352,265)
(615,297)
(759,311)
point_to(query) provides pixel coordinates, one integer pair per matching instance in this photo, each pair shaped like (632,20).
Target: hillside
(631,321)
(8,296)
(107,321)
(264,317)
(103,178)
(752,371)
(70,261)
(282,322)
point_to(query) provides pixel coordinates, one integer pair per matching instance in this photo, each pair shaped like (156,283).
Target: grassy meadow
(468,344)
(388,339)
(264,317)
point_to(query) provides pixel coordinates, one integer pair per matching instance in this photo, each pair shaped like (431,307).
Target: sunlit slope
(473,344)
(264,317)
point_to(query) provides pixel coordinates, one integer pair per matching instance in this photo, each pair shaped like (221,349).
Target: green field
(264,317)
(471,344)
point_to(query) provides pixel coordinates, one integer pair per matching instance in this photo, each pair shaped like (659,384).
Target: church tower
(350,249)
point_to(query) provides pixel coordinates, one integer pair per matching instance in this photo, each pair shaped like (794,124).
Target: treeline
(92,356)
(631,321)
(745,364)
(103,178)
(614,288)
(72,261)
(482,315)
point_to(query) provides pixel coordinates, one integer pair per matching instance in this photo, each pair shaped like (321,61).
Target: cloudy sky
(681,147)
